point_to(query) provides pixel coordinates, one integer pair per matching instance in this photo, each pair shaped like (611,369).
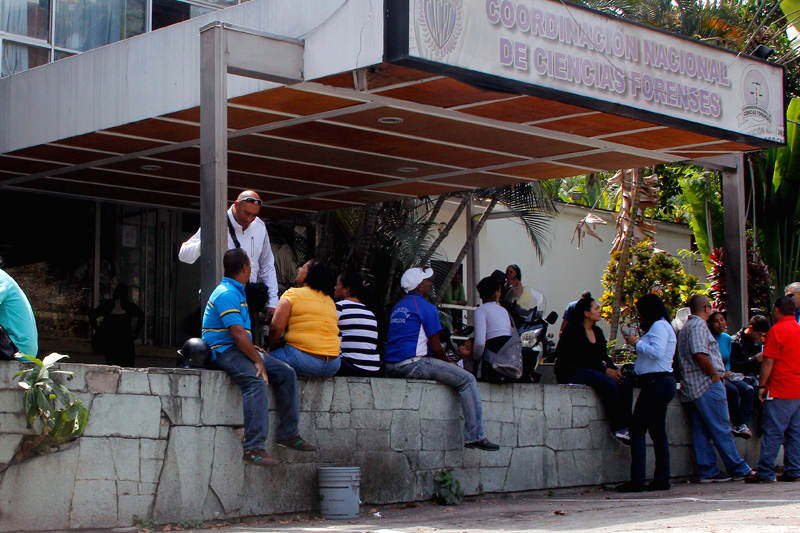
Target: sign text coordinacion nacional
(600,72)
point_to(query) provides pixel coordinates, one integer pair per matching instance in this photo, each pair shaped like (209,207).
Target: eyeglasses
(251,200)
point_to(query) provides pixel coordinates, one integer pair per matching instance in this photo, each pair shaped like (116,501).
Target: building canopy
(417,97)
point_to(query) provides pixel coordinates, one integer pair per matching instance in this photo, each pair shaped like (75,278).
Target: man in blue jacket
(413,350)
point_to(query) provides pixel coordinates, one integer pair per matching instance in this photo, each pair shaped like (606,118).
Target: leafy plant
(146,524)
(758,287)
(448,490)
(648,272)
(49,405)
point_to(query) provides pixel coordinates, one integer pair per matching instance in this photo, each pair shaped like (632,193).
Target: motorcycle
(537,346)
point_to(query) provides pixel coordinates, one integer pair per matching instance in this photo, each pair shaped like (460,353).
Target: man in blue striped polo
(226,329)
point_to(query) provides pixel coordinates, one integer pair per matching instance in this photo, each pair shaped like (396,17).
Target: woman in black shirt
(581,358)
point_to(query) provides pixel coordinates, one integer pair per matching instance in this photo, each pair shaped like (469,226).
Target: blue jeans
(740,401)
(710,423)
(455,376)
(781,425)
(615,397)
(306,364)
(255,398)
(650,414)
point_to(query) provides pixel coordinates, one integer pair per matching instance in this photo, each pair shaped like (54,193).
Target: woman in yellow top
(307,314)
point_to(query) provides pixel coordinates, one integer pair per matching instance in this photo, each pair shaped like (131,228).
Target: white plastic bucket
(339,491)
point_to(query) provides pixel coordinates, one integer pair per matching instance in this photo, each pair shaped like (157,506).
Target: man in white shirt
(251,234)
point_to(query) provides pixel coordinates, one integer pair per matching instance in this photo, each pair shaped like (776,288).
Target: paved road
(719,508)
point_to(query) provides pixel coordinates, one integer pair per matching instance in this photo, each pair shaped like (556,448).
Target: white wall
(566,271)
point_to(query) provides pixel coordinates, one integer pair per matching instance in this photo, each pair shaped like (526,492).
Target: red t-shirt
(783,345)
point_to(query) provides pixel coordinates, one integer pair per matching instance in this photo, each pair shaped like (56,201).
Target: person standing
(16,316)
(413,351)
(226,329)
(119,325)
(780,391)
(793,290)
(701,387)
(247,231)
(654,353)
(454,294)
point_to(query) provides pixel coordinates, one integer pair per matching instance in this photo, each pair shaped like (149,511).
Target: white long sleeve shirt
(491,320)
(255,241)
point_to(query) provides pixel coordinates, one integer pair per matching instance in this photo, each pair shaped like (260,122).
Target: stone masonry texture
(165,445)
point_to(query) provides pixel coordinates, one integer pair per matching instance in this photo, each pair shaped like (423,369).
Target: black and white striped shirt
(359,330)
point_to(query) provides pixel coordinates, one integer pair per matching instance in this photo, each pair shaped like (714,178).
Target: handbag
(7,346)
(256,292)
(507,361)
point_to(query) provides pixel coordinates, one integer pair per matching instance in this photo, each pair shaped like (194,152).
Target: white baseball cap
(413,277)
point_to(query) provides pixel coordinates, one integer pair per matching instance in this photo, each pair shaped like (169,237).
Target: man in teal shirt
(16,316)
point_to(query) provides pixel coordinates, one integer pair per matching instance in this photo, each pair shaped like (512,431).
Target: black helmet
(195,353)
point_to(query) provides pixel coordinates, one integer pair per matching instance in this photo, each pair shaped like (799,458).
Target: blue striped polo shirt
(226,307)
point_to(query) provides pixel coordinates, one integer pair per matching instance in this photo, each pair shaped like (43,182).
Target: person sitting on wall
(493,328)
(655,351)
(413,350)
(358,327)
(16,319)
(702,389)
(226,329)
(582,357)
(746,347)
(740,394)
(308,316)
(570,308)
(780,392)
(517,298)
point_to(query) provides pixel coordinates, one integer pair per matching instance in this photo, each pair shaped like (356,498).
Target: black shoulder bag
(256,293)
(7,346)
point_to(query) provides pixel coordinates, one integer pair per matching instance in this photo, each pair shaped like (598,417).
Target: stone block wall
(165,444)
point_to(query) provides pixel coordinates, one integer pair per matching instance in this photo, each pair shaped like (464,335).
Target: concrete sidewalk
(724,507)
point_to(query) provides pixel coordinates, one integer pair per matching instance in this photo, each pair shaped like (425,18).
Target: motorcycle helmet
(195,353)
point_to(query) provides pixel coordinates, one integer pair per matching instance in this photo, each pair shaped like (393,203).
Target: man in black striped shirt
(357,327)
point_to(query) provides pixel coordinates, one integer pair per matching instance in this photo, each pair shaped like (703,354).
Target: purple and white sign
(556,46)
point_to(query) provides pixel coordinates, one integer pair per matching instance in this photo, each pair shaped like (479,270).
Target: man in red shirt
(780,391)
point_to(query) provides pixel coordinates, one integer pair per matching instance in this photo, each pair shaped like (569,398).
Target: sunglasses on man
(252,201)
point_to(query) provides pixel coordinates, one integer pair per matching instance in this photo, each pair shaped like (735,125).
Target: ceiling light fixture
(150,167)
(390,120)
(407,169)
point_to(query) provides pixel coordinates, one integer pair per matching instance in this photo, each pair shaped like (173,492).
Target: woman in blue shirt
(740,395)
(654,353)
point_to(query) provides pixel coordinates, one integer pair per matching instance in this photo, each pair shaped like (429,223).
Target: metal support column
(213,156)
(473,269)
(735,244)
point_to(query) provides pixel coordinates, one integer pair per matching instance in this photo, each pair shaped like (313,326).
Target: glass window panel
(134,17)
(86,24)
(58,54)
(18,57)
(167,12)
(25,17)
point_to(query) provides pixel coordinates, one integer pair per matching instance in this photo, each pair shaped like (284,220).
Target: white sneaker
(742,431)
(623,436)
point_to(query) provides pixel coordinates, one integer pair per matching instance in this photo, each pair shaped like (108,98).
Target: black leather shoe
(630,486)
(483,444)
(658,485)
(784,477)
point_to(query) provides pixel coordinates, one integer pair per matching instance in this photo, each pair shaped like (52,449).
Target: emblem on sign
(755,117)
(439,24)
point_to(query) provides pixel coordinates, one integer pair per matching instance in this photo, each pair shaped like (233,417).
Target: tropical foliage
(648,272)
(50,407)
(758,281)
